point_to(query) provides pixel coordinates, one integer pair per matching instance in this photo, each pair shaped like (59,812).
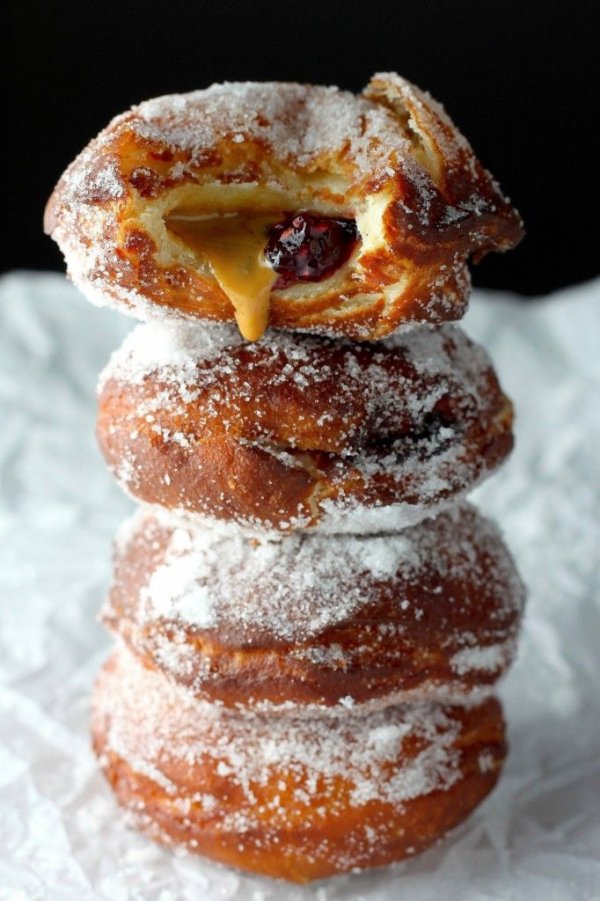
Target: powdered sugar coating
(480,659)
(300,586)
(300,123)
(173,351)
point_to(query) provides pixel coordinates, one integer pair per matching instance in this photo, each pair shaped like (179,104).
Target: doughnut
(301,431)
(311,621)
(293,205)
(294,798)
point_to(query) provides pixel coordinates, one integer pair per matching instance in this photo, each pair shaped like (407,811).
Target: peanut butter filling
(232,245)
(250,253)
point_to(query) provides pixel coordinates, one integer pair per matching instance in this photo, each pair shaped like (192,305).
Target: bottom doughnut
(288,797)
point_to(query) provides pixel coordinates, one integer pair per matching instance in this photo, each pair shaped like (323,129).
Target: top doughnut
(292,205)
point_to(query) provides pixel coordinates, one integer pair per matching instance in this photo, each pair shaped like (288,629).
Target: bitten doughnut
(286,797)
(330,621)
(300,206)
(300,431)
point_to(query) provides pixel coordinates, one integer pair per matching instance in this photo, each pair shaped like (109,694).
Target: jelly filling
(305,247)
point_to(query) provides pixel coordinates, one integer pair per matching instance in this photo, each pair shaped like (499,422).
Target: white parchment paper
(61,834)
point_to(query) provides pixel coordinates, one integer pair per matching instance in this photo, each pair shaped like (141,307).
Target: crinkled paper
(61,833)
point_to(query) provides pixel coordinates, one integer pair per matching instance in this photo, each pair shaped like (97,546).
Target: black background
(518,76)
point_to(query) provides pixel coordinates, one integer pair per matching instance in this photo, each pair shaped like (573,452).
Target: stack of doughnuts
(310,618)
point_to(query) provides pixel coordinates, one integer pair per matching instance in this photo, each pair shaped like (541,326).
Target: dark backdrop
(518,77)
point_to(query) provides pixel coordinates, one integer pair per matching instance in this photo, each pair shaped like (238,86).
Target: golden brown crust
(389,158)
(432,612)
(297,432)
(385,786)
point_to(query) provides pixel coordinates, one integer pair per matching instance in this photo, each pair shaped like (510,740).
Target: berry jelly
(307,248)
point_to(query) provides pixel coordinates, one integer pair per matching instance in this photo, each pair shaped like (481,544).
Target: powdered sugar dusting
(175,590)
(210,579)
(171,349)
(304,584)
(485,659)
(299,123)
